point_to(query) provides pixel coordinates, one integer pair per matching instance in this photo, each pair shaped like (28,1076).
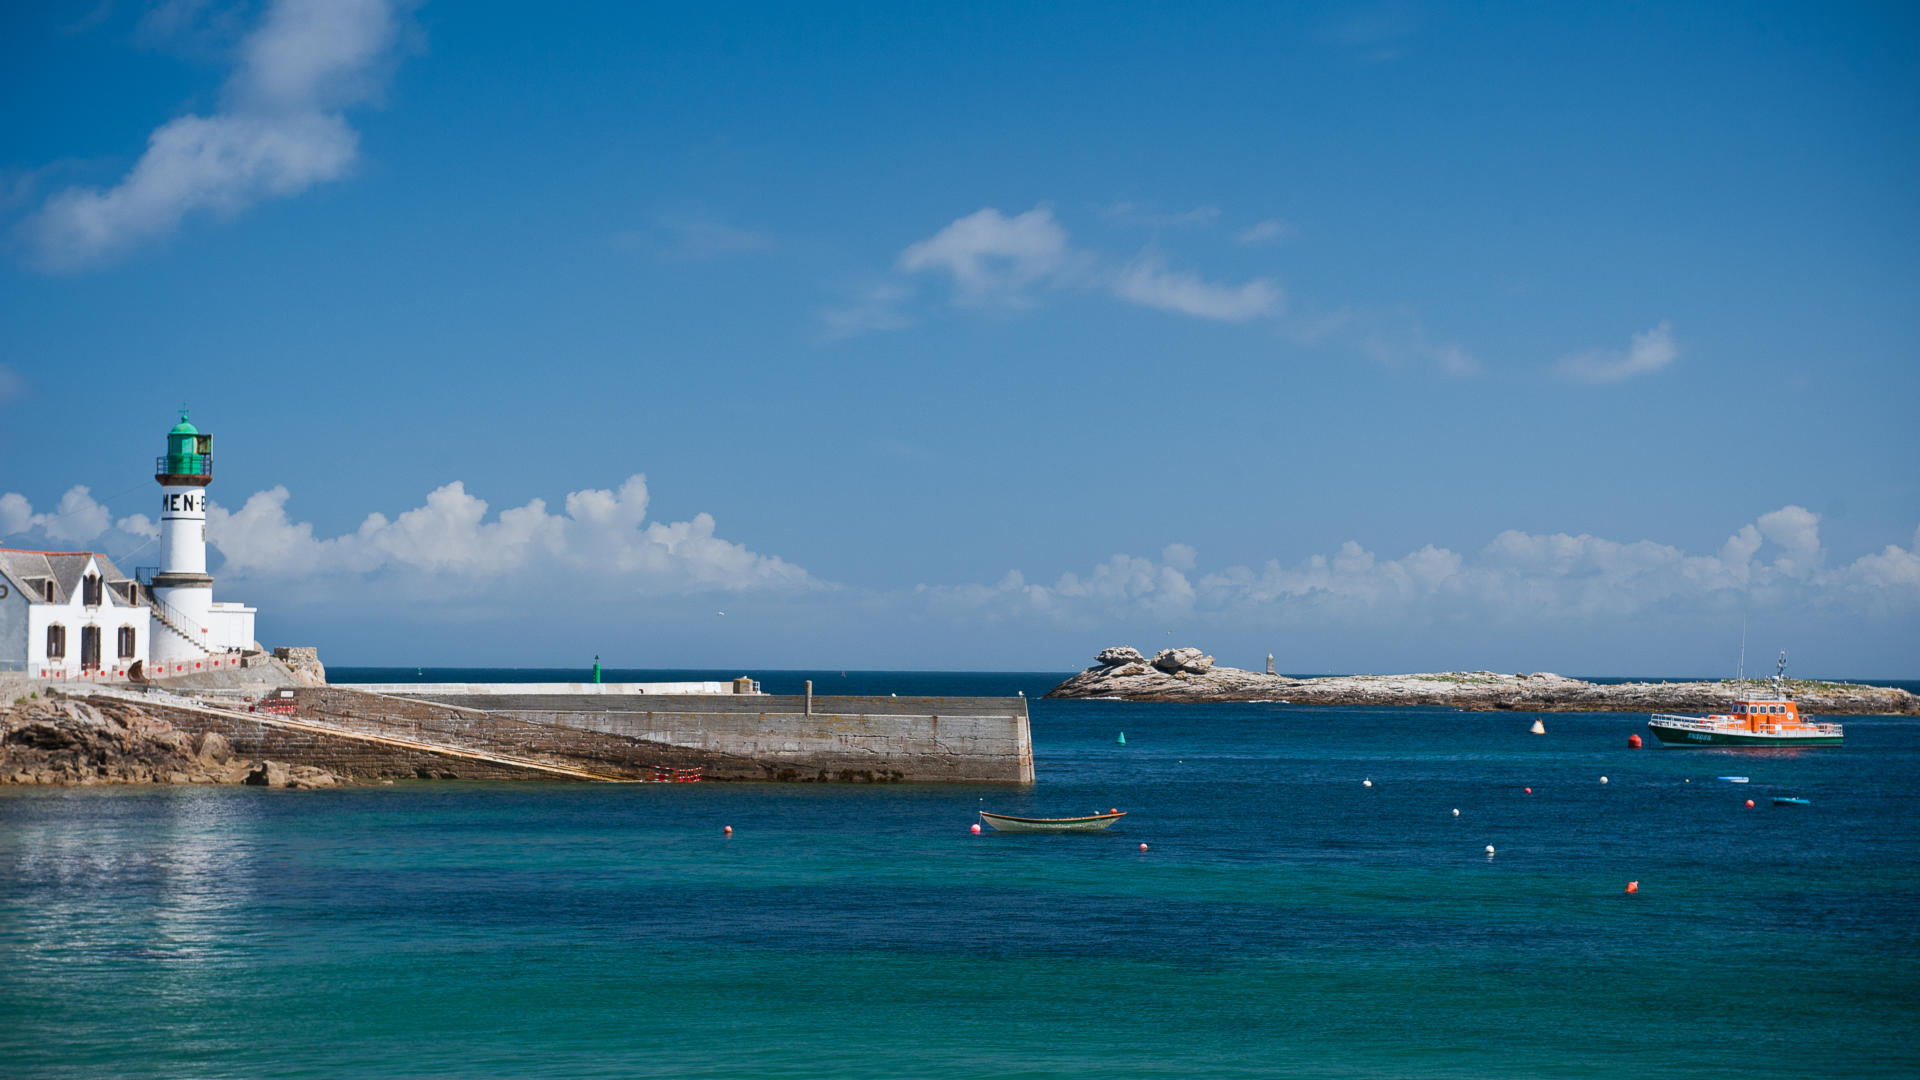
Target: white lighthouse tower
(188,627)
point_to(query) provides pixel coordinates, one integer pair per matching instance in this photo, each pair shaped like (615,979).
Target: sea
(1294,892)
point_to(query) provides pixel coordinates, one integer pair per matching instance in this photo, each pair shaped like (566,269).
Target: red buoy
(1633,741)
(1749,804)
(1633,886)
(729,830)
(976,829)
(1529,791)
(1143,847)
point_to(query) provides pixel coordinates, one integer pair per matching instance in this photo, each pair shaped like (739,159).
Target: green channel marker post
(596,668)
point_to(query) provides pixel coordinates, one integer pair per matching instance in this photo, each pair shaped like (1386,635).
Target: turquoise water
(1286,919)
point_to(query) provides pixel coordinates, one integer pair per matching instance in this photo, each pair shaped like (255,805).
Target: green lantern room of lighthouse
(189,453)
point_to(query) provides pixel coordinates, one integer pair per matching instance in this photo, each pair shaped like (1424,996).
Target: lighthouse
(188,627)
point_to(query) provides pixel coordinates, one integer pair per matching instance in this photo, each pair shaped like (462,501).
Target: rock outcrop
(58,740)
(1187,675)
(1188,660)
(304,663)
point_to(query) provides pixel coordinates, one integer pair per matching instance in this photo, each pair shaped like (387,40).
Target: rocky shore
(1188,675)
(61,740)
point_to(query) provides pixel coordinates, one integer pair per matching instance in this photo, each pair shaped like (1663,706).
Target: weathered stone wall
(846,739)
(372,736)
(258,740)
(608,754)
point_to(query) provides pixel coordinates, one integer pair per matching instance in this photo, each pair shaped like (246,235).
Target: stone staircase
(173,620)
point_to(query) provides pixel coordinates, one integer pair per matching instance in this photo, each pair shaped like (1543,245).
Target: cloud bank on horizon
(280,130)
(530,557)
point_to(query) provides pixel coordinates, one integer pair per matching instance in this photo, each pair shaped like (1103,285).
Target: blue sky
(1378,337)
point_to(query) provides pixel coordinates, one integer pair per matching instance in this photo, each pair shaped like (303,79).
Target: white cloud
(875,308)
(279,132)
(1147,281)
(1391,337)
(992,256)
(1648,352)
(1269,231)
(317,54)
(16,514)
(139,525)
(1181,557)
(76,518)
(1120,587)
(1889,574)
(601,546)
(1518,578)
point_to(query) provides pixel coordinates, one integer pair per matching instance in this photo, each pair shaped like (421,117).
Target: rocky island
(1188,675)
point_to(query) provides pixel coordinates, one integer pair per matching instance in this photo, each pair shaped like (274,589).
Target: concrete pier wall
(492,690)
(846,739)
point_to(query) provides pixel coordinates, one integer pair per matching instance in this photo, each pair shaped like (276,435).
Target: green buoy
(1122,740)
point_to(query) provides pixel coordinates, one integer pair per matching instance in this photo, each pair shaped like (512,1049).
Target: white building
(74,615)
(70,615)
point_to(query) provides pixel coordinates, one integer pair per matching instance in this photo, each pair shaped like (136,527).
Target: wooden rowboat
(1090,823)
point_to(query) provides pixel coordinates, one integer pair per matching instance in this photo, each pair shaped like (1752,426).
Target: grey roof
(29,570)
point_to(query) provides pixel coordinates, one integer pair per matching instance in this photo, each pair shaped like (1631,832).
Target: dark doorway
(89,646)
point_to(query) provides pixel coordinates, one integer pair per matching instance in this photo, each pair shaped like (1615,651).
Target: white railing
(1695,723)
(174,620)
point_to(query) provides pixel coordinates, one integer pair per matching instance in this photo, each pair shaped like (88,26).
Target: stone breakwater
(783,738)
(313,736)
(1188,675)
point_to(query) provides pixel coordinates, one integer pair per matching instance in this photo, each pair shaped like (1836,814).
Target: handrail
(183,465)
(1695,723)
(172,618)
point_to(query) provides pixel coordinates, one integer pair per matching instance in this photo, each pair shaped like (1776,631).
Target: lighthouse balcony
(183,468)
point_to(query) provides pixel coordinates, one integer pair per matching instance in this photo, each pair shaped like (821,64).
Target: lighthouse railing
(172,618)
(183,465)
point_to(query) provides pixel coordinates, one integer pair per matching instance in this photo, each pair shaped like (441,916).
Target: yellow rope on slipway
(361,736)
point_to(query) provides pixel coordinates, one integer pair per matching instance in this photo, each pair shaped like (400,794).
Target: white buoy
(1366,783)
(1489,849)
(1603,779)
(1538,728)
(1456,813)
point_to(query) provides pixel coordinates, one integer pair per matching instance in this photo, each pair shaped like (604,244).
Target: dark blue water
(1286,919)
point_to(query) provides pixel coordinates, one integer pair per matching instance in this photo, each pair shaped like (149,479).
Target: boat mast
(1743,657)
(1780,677)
